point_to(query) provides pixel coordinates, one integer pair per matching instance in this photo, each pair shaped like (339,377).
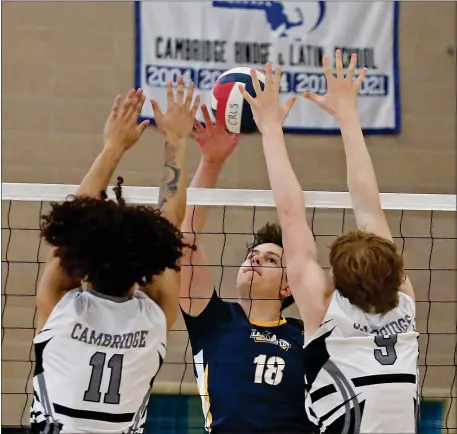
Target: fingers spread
(180,92)
(170,96)
(143,126)
(268,74)
(277,78)
(339,64)
(156,109)
(255,82)
(352,66)
(289,104)
(206,117)
(198,126)
(360,78)
(312,96)
(246,95)
(327,68)
(195,107)
(190,95)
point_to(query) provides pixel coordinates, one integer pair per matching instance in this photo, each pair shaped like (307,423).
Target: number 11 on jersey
(97,362)
(268,370)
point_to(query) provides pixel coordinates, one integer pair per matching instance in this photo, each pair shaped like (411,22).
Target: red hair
(367,270)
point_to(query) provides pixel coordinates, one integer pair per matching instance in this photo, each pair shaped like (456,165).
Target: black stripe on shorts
(94,415)
(365,381)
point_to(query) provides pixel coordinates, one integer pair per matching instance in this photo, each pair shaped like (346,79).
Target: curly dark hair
(110,243)
(270,233)
(367,270)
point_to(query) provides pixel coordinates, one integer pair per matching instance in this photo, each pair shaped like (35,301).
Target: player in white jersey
(98,350)
(361,344)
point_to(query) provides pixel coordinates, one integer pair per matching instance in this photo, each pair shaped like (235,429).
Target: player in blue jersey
(248,359)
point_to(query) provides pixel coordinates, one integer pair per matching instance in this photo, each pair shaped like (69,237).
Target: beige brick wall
(64,61)
(62,64)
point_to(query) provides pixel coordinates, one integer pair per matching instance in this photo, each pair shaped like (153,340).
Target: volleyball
(227,103)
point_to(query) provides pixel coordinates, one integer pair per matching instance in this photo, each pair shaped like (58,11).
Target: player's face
(262,274)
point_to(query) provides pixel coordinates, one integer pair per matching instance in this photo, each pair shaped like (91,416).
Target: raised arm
(341,102)
(306,278)
(121,132)
(176,126)
(196,277)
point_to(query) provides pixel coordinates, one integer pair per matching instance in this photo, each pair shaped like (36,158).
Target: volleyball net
(423,226)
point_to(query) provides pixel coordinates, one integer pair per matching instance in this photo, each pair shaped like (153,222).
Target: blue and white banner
(201,40)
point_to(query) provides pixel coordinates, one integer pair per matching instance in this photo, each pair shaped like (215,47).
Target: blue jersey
(250,375)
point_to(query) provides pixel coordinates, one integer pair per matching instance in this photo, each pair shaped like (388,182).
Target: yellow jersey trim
(268,323)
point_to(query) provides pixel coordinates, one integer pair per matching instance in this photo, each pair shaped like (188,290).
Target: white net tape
(235,197)
(423,226)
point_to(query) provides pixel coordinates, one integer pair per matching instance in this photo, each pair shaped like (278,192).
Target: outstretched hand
(177,121)
(267,109)
(342,91)
(213,140)
(121,127)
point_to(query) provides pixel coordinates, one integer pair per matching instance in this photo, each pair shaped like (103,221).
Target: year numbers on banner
(295,83)
(373,85)
(157,76)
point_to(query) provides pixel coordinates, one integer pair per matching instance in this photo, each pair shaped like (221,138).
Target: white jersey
(96,358)
(361,369)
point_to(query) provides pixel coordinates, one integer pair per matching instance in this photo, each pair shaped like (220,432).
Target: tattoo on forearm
(171,176)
